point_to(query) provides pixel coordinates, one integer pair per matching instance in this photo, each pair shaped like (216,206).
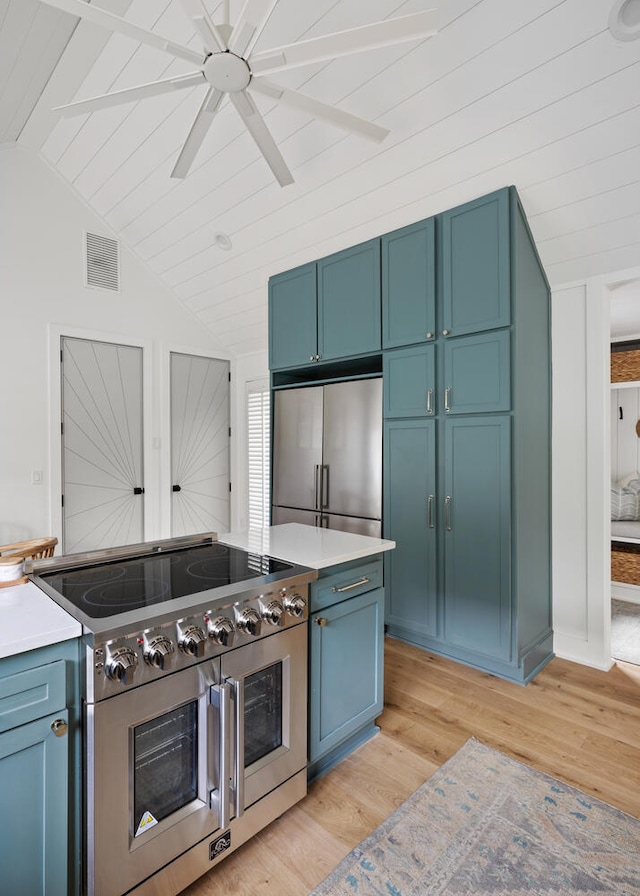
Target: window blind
(259,449)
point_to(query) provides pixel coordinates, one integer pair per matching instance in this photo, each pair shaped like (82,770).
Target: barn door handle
(176,488)
(138,490)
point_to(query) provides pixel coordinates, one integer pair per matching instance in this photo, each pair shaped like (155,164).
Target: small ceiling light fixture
(222,241)
(624,20)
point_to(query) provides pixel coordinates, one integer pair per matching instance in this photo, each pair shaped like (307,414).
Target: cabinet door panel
(349,302)
(31,694)
(409,382)
(410,489)
(408,285)
(475,265)
(346,662)
(476,528)
(33,783)
(292,317)
(477,373)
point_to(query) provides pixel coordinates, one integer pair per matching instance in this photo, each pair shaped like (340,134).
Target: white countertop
(30,619)
(307,545)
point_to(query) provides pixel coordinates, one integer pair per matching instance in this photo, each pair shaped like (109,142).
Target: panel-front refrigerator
(327,456)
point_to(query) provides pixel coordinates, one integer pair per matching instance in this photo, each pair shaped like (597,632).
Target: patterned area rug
(486,824)
(625,631)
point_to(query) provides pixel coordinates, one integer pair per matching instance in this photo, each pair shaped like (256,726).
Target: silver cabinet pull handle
(363,581)
(447,513)
(320,620)
(429,335)
(445,332)
(219,799)
(429,401)
(447,399)
(430,512)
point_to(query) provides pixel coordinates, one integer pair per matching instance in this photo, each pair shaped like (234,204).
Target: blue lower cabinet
(476,535)
(346,643)
(34,785)
(40,772)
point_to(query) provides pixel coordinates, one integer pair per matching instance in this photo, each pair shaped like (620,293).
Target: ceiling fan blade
(154,88)
(121,26)
(197,133)
(340,119)
(344,43)
(264,141)
(251,22)
(204,25)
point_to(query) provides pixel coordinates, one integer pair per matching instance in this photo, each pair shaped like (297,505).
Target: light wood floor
(573,722)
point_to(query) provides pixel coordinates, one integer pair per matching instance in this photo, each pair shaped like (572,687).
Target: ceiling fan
(229,66)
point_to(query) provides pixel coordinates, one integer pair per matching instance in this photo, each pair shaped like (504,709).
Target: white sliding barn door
(199,445)
(102,472)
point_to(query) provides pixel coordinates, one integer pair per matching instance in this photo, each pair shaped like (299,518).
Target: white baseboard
(622,591)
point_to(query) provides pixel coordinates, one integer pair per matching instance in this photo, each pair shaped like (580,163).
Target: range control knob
(273,612)
(295,605)
(121,665)
(156,651)
(248,621)
(192,640)
(221,630)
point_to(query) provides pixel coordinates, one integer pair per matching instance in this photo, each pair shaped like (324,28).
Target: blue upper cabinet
(293,327)
(349,302)
(477,373)
(475,266)
(409,285)
(409,382)
(326,310)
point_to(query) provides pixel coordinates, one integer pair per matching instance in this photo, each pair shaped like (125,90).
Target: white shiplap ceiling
(535,93)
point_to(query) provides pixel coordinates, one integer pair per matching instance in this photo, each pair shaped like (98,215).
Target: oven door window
(165,765)
(262,713)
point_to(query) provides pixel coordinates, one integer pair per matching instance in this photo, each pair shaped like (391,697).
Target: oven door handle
(219,800)
(238,787)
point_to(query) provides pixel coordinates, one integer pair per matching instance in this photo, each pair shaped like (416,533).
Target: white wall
(582,468)
(42,295)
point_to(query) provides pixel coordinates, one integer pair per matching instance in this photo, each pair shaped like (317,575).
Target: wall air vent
(102,262)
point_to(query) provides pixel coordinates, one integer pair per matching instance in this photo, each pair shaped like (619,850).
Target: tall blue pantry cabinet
(467,439)
(463,341)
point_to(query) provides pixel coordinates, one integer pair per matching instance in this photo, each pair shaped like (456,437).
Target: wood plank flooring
(573,722)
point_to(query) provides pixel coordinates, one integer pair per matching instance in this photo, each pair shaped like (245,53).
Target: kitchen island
(346,630)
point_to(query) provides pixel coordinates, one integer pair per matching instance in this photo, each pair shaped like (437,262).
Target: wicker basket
(625,366)
(12,556)
(625,563)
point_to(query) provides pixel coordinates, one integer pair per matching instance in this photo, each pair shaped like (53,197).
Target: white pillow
(624,482)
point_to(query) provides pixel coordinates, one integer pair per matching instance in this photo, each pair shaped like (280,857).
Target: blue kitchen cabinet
(476,536)
(475,265)
(409,285)
(409,382)
(476,374)
(349,302)
(293,340)
(411,519)
(346,634)
(482,595)
(467,436)
(326,310)
(39,778)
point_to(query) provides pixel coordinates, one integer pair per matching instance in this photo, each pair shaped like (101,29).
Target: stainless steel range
(195,710)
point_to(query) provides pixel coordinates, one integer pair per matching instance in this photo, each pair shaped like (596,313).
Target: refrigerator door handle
(324,486)
(317,488)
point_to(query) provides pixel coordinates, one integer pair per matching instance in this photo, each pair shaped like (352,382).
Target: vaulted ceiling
(539,94)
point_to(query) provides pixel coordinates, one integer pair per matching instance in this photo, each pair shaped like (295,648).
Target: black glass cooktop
(107,589)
